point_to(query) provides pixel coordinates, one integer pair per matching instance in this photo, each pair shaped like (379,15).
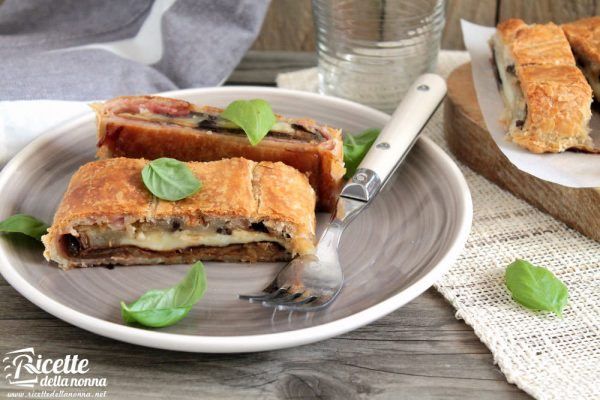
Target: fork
(312,282)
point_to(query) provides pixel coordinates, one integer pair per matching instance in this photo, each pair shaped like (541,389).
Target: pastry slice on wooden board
(547,99)
(471,143)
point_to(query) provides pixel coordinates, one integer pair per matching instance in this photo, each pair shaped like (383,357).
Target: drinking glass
(371,51)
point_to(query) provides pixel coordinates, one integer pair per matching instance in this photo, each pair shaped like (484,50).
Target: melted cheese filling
(511,89)
(162,240)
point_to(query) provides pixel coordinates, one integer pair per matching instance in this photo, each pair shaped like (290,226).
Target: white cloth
(59,55)
(546,356)
(22,121)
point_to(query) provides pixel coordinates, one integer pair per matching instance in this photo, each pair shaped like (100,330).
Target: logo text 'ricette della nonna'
(24,368)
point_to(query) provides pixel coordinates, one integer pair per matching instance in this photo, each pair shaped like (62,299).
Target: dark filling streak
(124,250)
(259,227)
(70,245)
(519,123)
(495,68)
(584,64)
(223,231)
(301,129)
(297,136)
(175,225)
(300,133)
(581,62)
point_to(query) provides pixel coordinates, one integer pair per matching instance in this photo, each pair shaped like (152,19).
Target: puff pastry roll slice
(152,127)
(547,99)
(245,211)
(584,37)
(522,44)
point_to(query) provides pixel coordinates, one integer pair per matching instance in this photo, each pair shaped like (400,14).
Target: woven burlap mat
(546,356)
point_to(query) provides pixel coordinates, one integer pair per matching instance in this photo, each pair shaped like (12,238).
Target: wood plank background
(288,25)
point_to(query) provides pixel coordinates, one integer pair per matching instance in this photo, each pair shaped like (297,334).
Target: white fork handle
(397,137)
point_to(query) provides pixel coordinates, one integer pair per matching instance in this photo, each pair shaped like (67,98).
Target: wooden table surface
(418,352)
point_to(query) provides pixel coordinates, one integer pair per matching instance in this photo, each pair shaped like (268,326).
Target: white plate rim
(243,343)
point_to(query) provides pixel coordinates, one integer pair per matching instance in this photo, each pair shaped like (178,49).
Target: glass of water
(371,51)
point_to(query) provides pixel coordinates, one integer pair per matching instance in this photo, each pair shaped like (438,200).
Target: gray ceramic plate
(393,252)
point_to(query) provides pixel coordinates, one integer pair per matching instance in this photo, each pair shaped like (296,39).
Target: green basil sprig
(536,287)
(159,308)
(255,117)
(356,147)
(170,179)
(25,224)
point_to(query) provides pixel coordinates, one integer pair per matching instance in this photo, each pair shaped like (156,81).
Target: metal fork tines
(311,282)
(282,298)
(298,299)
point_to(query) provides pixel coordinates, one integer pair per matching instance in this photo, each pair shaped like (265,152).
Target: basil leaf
(356,147)
(25,224)
(160,308)
(536,287)
(169,179)
(255,117)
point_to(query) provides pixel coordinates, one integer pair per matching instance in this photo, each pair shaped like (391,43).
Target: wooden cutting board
(471,143)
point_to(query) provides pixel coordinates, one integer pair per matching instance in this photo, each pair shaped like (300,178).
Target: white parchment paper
(578,170)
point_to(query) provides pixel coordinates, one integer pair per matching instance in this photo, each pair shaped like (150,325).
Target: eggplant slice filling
(216,124)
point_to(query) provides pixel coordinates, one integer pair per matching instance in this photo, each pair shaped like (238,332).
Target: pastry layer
(547,99)
(535,44)
(108,216)
(558,109)
(152,127)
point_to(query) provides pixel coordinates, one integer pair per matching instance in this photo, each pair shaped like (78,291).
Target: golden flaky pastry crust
(119,135)
(584,37)
(104,191)
(536,44)
(509,28)
(558,107)
(111,192)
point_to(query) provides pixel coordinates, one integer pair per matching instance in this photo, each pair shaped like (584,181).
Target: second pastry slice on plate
(152,127)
